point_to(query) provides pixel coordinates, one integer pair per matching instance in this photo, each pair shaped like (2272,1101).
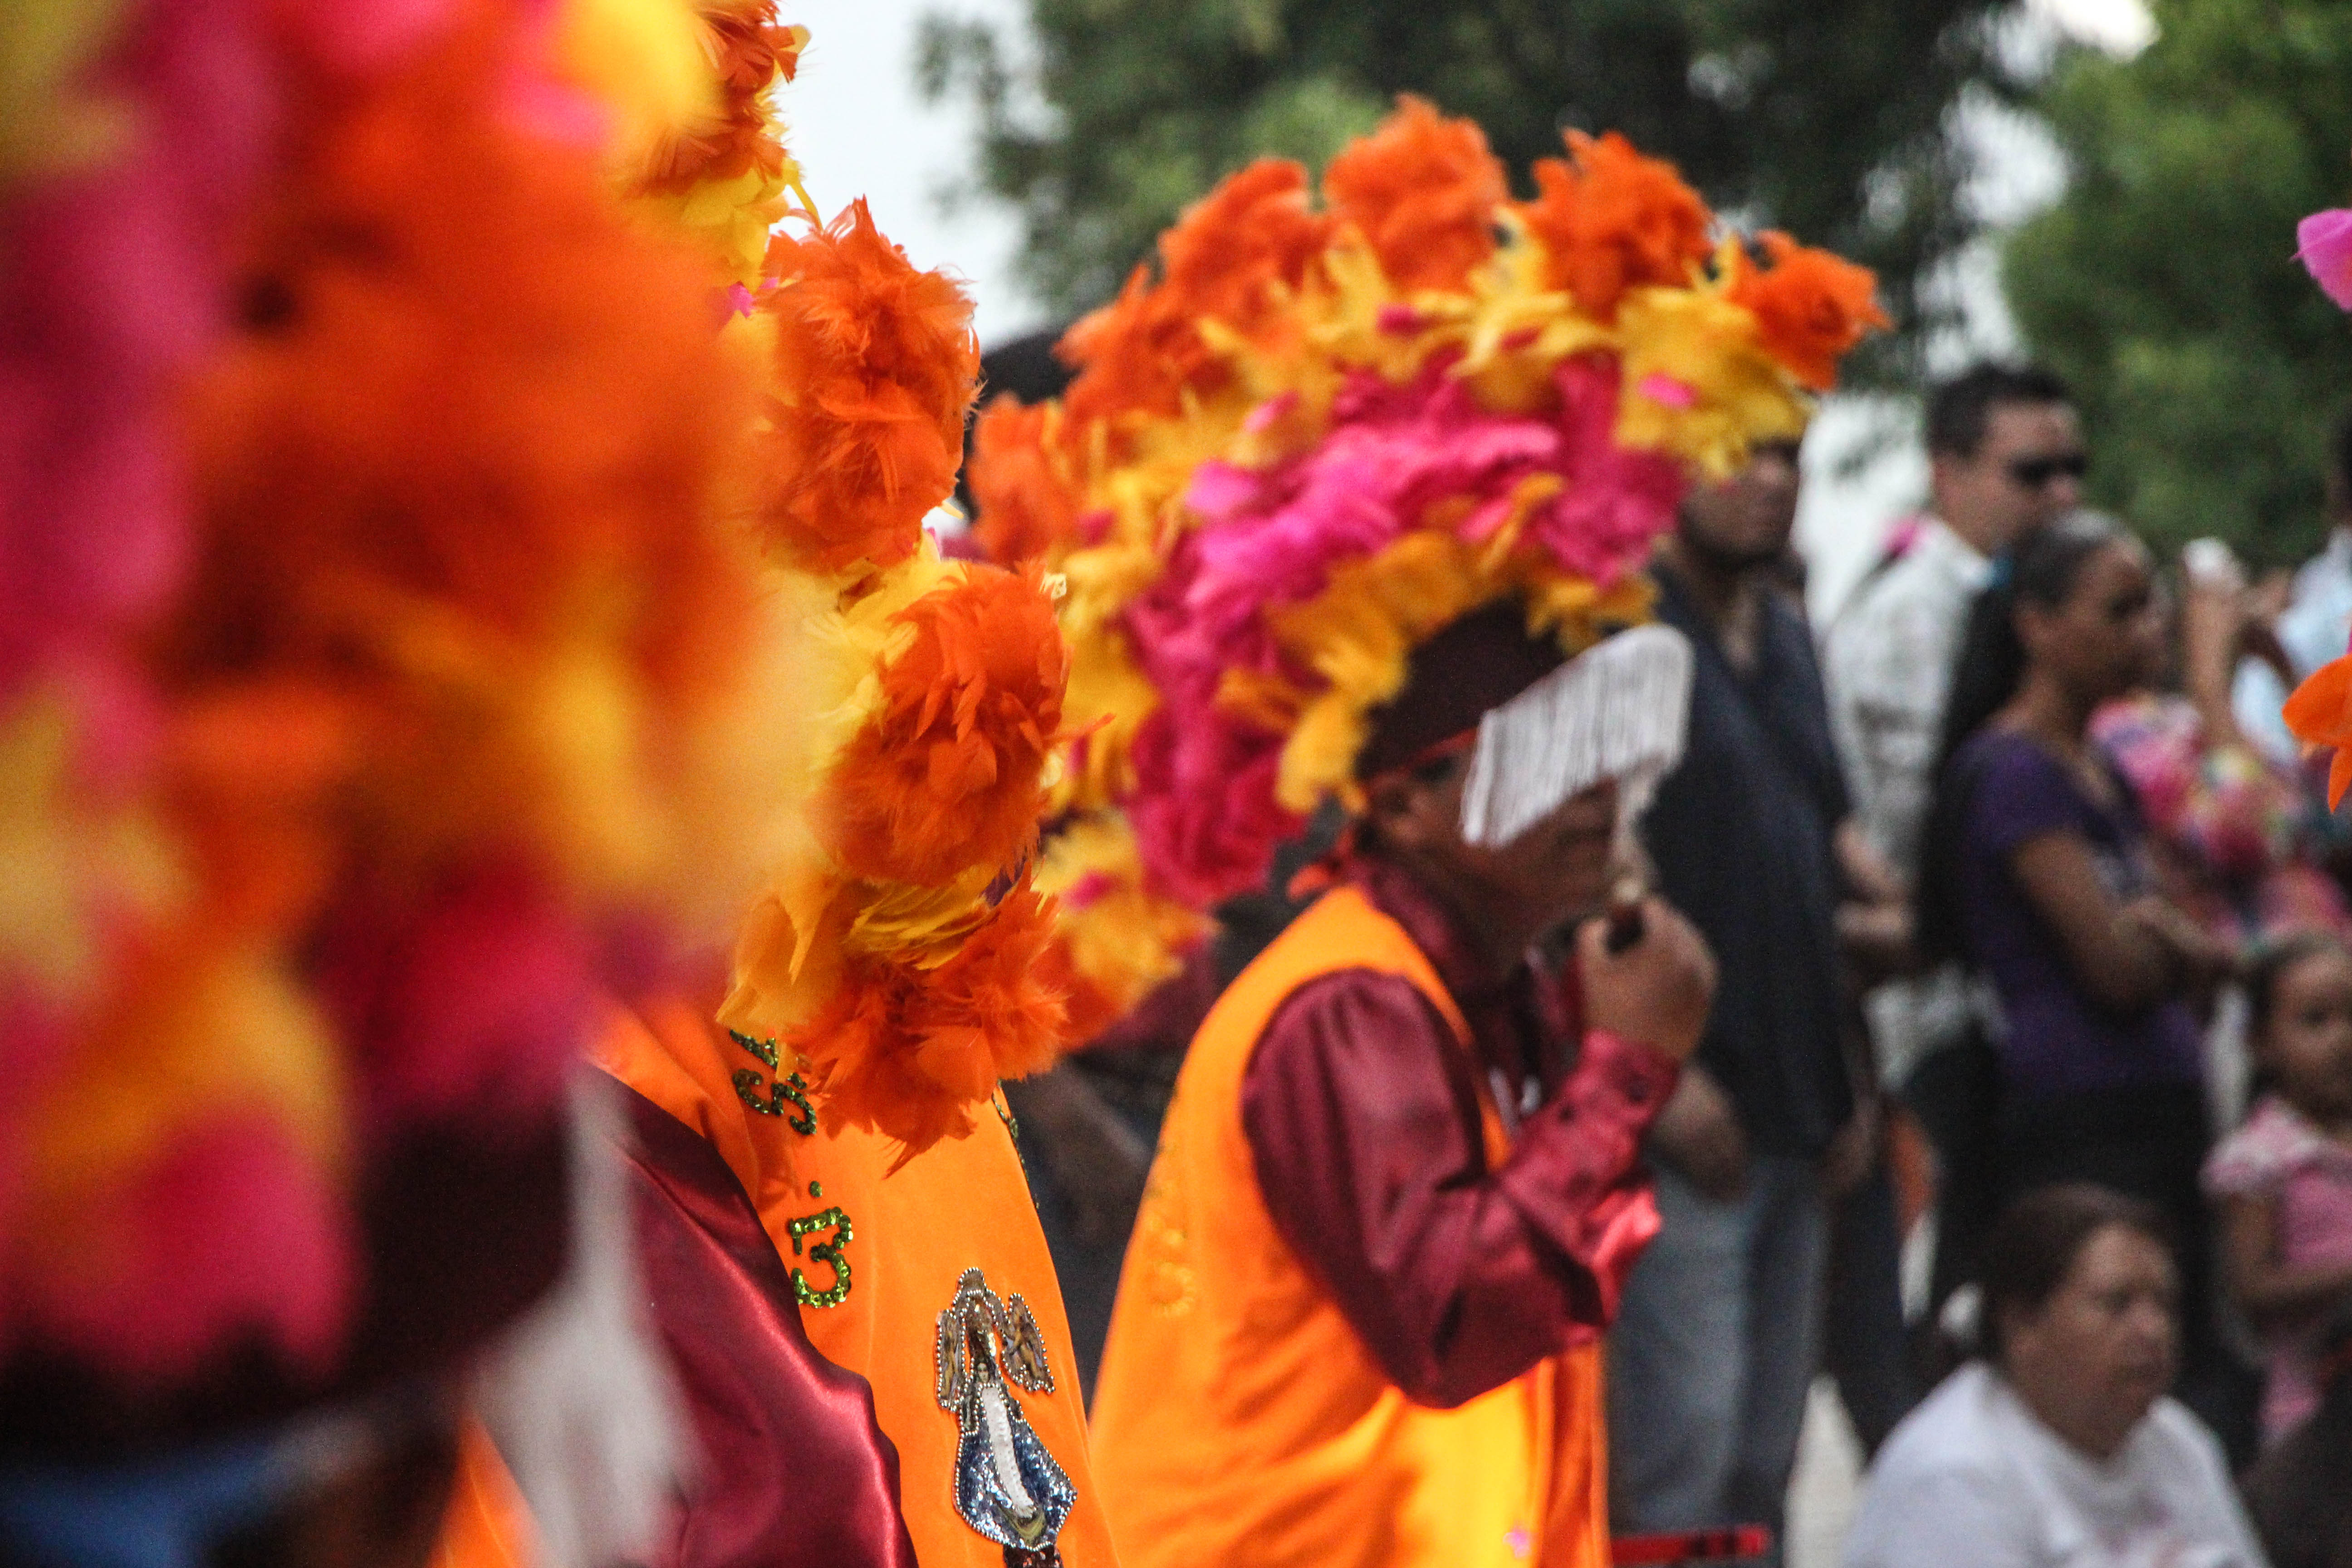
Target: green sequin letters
(763,1050)
(829,1252)
(748,1085)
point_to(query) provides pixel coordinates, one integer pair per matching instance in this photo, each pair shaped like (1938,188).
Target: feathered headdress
(433,594)
(1318,437)
(899,948)
(373,689)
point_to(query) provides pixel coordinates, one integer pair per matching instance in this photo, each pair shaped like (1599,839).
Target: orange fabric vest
(879,1258)
(1240,1421)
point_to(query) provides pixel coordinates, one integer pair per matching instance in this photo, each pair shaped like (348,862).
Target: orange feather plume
(750,54)
(2319,713)
(1020,485)
(1423,190)
(476,421)
(1090,1005)
(1231,257)
(1240,248)
(1612,219)
(442,400)
(911,1052)
(1811,307)
(875,364)
(947,775)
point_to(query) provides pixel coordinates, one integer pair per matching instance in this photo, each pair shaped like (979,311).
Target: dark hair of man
(2042,571)
(1958,410)
(2034,1247)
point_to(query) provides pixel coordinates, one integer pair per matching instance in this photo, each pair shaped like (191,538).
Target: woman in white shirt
(2059,1449)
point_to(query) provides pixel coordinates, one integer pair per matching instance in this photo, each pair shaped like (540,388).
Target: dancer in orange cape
(1353,504)
(839,1249)
(1395,1198)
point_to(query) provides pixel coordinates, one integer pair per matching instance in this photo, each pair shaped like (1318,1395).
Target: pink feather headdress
(1317,437)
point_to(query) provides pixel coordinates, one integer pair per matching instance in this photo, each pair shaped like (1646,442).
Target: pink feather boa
(1203,808)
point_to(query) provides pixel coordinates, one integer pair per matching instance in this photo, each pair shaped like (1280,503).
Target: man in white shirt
(2313,629)
(2005,457)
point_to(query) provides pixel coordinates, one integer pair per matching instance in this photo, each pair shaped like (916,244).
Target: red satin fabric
(792,1470)
(1362,1119)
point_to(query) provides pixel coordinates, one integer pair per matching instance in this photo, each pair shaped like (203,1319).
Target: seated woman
(2038,874)
(2058,1449)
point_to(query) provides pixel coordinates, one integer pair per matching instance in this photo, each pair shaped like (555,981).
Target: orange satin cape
(1240,1421)
(877,1257)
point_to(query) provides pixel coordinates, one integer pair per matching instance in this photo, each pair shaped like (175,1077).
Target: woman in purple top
(2038,874)
(2057,897)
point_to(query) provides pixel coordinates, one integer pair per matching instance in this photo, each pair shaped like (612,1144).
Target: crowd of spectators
(2126,1022)
(2024,1110)
(1723,1321)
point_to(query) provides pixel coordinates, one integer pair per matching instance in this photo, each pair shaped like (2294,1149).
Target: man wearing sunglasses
(2005,457)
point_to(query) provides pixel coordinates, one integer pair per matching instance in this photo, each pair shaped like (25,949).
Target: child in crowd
(2283,1181)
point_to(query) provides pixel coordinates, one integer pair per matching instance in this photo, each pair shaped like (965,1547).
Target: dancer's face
(1746,520)
(1556,870)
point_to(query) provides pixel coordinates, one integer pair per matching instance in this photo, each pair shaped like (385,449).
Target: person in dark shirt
(1719,1335)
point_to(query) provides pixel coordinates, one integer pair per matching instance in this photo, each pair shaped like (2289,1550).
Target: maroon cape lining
(793,1470)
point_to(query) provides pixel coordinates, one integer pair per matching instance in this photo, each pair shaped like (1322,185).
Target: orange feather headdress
(1316,436)
(894,949)
(407,696)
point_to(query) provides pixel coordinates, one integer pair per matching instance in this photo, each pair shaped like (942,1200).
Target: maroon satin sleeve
(1363,1121)
(790,1470)
(1576,1170)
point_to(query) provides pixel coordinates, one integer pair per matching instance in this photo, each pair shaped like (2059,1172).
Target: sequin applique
(765,1050)
(831,1252)
(1007,1486)
(769,1098)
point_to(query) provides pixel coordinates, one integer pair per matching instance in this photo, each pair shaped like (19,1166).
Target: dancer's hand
(1657,991)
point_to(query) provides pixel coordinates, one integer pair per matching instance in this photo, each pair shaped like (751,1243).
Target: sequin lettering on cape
(765,1050)
(1007,1486)
(769,1098)
(832,1252)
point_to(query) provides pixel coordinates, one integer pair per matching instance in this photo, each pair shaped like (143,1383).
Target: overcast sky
(859,128)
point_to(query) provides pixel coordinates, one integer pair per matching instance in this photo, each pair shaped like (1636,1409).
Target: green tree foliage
(1825,116)
(2210,368)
